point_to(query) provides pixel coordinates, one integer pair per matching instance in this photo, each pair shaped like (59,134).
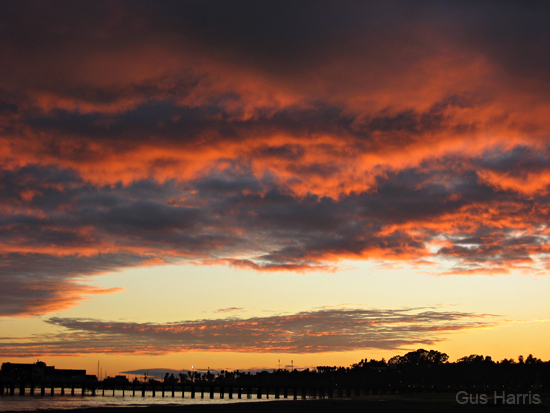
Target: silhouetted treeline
(417,371)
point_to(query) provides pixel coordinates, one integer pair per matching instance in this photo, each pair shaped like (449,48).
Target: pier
(78,389)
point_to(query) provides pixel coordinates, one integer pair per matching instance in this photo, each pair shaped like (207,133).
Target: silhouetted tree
(419,358)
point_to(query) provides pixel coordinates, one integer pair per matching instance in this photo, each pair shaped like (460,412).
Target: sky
(234,185)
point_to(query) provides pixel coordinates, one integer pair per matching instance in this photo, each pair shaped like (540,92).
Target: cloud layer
(307,332)
(271,136)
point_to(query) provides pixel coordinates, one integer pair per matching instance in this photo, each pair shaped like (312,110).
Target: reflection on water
(17,403)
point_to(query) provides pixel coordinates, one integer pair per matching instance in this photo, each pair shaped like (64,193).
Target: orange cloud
(153,134)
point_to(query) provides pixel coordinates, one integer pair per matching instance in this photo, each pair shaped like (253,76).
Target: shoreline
(383,404)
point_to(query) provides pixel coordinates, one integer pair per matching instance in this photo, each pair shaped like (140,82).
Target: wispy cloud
(327,330)
(228,310)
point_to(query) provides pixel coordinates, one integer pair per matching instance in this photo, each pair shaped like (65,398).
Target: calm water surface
(26,403)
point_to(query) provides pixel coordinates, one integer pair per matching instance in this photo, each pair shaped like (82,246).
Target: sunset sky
(228,184)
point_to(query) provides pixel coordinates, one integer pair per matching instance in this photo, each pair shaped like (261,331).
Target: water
(29,403)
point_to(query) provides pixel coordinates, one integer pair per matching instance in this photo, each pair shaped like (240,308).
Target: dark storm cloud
(292,152)
(305,332)
(269,135)
(514,35)
(519,161)
(34,284)
(288,39)
(83,136)
(177,124)
(60,232)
